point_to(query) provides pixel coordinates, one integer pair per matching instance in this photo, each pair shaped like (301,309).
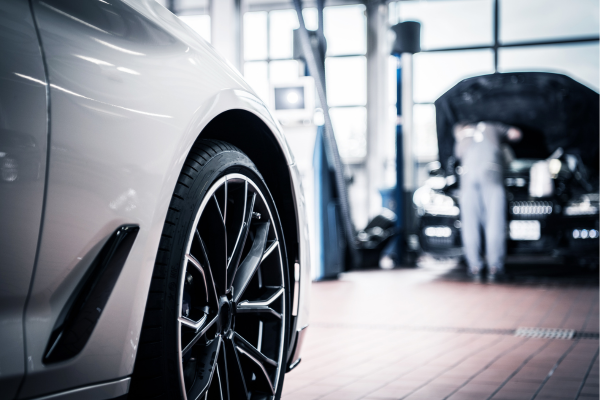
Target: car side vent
(80,314)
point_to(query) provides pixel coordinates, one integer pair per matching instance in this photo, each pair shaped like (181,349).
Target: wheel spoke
(210,280)
(219,208)
(211,228)
(252,261)
(215,389)
(195,325)
(223,374)
(241,239)
(207,365)
(253,350)
(220,385)
(259,370)
(191,259)
(237,383)
(237,201)
(269,250)
(262,306)
(199,328)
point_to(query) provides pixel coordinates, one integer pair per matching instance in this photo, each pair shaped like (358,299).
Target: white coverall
(482,193)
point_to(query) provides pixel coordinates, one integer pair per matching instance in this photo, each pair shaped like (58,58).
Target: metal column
(408,164)
(407,43)
(377,101)
(313,60)
(226,23)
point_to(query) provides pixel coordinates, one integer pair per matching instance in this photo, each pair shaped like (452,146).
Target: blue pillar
(400,207)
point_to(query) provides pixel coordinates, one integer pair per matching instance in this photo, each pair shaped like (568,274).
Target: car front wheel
(216,320)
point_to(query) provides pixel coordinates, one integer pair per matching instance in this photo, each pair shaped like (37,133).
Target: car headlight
(586,204)
(429,201)
(438,231)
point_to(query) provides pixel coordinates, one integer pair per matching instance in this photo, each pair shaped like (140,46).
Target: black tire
(177,361)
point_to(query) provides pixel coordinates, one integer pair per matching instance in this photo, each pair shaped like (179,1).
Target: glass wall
(195,13)
(530,20)
(268,51)
(436,72)
(465,26)
(454,34)
(444,24)
(199,23)
(580,61)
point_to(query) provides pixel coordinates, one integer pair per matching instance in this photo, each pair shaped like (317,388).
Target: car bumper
(302,274)
(558,237)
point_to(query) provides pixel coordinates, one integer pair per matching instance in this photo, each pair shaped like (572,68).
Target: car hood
(552,110)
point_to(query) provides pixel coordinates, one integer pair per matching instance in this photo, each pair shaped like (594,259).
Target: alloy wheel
(232,295)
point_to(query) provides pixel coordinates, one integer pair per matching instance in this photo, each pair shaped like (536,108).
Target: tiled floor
(427,333)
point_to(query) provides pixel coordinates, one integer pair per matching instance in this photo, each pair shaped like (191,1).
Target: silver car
(153,240)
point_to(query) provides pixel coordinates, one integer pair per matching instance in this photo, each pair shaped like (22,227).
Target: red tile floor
(428,333)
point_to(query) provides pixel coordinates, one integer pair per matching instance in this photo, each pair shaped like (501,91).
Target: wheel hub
(225,314)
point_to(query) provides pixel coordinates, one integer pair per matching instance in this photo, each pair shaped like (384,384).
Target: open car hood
(552,110)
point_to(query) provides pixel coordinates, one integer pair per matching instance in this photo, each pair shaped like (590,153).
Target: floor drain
(545,333)
(587,335)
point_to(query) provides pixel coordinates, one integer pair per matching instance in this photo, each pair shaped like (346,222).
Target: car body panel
(131,89)
(23,149)
(304,277)
(101,391)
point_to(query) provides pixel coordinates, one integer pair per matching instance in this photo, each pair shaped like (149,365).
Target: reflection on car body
(153,234)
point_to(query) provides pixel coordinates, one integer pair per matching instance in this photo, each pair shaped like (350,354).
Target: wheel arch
(253,136)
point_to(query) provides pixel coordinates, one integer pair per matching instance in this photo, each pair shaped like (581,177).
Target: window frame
(269,59)
(497,44)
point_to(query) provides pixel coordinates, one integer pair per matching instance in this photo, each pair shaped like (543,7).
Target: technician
(482,195)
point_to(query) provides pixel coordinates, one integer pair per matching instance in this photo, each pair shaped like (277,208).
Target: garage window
(268,52)
(459,40)
(456,23)
(579,61)
(554,19)
(199,23)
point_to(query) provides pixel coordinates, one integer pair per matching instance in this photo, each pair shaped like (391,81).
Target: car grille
(531,208)
(439,241)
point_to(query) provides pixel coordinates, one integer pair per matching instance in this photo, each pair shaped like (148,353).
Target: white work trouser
(483,210)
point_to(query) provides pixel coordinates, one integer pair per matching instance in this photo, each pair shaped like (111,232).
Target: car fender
(124,115)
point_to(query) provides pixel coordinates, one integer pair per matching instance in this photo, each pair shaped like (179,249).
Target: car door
(23,149)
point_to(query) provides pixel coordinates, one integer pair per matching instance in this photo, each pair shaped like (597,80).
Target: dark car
(559,120)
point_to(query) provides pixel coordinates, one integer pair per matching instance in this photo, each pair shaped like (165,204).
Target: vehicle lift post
(407,43)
